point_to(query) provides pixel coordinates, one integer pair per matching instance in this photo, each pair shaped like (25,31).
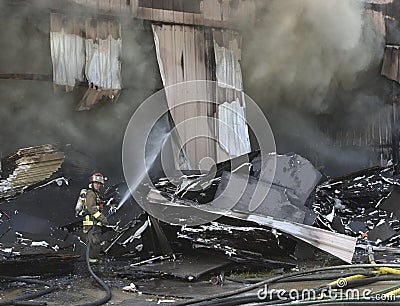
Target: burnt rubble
(27,167)
(361,202)
(37,217)
(278,219)
(298,213)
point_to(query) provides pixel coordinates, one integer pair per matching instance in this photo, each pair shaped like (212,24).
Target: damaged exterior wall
(373,139)
(87,49)
(186,53)
(180,60)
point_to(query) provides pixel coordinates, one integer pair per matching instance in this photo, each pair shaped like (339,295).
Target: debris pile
(241,243)
(281,218)
(27,167)
(129,223)
(293,213)
(361,202)
(37,216)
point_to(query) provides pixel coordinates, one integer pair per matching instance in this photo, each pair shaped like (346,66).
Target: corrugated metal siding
(183,56)
(385,19)
(186,53)
(233,135)
(378,19)
(392,29)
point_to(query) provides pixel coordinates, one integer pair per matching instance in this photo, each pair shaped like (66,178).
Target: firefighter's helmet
(97,177)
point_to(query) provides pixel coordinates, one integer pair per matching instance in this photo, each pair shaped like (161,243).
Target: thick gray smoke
(311,58)
(301,49)
(33,114)
(303,58)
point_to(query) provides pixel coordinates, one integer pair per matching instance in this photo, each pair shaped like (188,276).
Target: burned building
(76,74)
(73,74)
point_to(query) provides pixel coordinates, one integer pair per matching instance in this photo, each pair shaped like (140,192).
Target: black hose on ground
(21,300)
(108,295)
(219,298)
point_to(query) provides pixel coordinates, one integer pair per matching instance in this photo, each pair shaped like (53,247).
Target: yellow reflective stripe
(90,223)
(87,220)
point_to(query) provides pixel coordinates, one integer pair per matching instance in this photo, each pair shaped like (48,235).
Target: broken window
(232,128)
(228,72)
(87,49)
(233,135)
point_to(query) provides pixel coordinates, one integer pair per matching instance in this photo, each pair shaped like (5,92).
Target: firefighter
(94,218)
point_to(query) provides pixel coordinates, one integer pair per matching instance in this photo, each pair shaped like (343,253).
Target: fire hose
(231,298)
(351,280)
(107,289)
(22,299)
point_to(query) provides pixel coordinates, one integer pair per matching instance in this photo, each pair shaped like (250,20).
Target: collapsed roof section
(27,167)
(228,194)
